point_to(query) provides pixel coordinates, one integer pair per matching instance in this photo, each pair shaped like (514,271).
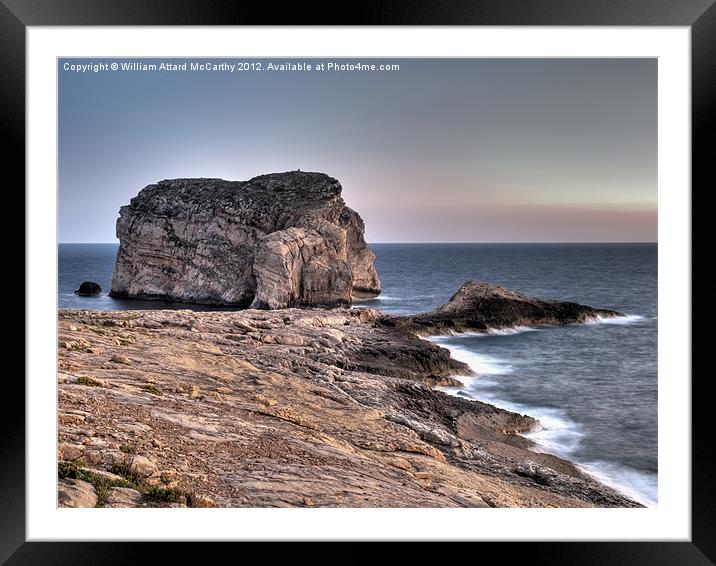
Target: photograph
(373,282)
(411,275)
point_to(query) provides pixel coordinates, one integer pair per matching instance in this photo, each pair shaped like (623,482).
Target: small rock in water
(89,289)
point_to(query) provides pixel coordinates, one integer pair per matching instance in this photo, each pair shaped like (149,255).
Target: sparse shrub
(128,449)
(88,381)
(131,479)
(170,494)
(102,485)
(175,495)
(151,389)
(126,469)
(69,469)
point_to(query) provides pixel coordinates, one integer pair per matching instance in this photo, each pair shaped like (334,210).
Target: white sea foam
(391,298)
(619,320)
(511,331)
(639,486)
(556,433)
(479,363)
(379,298)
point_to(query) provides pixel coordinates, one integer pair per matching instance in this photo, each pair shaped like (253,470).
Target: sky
(441,150)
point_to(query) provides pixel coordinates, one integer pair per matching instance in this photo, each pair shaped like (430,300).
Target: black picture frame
(17,15)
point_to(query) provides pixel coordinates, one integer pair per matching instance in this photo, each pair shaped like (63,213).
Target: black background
(16,15)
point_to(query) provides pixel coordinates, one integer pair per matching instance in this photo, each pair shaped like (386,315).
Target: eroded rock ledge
(275,241)
(482,306)
(286,408)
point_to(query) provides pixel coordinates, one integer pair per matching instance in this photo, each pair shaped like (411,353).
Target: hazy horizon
(441,151)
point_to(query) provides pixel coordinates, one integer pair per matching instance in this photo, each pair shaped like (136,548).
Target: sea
(592,386)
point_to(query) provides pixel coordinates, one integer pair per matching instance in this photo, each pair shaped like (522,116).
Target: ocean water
(592,386)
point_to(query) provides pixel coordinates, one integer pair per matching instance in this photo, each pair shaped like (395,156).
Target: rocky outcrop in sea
(480,306)
(276,241)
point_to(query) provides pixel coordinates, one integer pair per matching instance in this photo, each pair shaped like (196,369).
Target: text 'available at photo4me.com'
(230,66)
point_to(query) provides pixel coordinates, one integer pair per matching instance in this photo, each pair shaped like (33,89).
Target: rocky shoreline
(297,408)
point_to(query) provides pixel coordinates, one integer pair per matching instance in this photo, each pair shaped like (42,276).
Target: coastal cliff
(276,241)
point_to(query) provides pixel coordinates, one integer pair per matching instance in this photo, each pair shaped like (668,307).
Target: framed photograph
(420,276)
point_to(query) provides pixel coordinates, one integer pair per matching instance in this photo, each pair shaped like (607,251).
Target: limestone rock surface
(276,241)
(76,493)
(293,408)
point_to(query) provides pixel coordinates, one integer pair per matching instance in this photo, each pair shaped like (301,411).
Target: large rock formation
(482,306)
(275,241)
